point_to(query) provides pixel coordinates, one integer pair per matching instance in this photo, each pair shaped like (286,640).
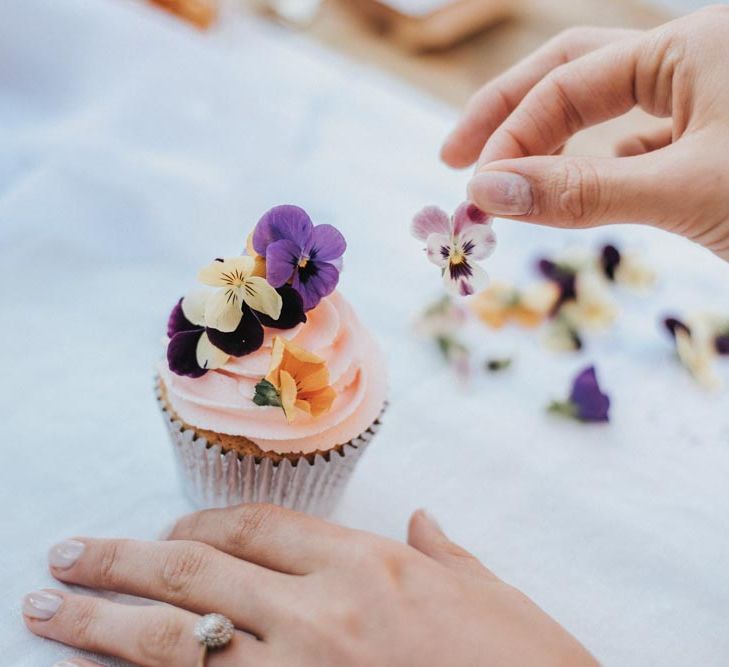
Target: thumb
(580,191)
(425,535)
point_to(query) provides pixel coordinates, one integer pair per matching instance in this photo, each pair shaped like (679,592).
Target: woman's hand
(301,591)
(677,179)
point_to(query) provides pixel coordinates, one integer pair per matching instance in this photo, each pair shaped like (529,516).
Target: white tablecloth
(134,149)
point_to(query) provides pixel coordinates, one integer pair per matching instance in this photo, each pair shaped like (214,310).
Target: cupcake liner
(313,483)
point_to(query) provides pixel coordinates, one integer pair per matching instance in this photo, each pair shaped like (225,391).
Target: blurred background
(447,48)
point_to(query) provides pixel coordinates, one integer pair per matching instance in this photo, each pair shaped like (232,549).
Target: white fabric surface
(134,149)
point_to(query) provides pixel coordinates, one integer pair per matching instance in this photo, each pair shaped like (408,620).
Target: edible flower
(238,288)
(625,268)
(299,253)
(696,346)
(195,347)
(441,322)
(454,243)
(501,303)
(297,379)
(586,402)
(591,307)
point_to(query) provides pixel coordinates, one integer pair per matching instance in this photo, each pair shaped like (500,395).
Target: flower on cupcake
(455,243)
(297,380)
(298,253)
(586,402)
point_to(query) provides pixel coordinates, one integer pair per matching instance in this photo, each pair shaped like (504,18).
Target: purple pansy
(721,343)
(673,324)
(454,243)
(307,256)
(195,348)
(586,402)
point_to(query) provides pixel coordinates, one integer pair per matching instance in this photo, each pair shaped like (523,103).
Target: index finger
(491,105)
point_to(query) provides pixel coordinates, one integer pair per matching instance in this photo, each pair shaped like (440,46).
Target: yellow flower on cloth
(297,379)
(501,303)
(240,287)
(592,308)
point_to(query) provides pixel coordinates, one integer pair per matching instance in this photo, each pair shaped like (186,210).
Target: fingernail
(501,192)
(41,605)
(64,554)
(431,520)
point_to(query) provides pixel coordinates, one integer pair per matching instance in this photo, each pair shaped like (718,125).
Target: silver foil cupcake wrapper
(212,478)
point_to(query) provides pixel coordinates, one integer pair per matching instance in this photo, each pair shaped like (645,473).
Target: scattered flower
(564,278)
(238,287)
(298,253)
(592,307)
(441,318)
(296,380)
(562,336)
(586,402)
(501,303)
(626,268)
(496,365)
(696,347)
(441,321)
(454,243)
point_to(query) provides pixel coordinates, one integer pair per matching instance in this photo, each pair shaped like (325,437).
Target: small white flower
(235,276)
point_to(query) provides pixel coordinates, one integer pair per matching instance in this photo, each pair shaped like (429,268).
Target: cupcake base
(214,474)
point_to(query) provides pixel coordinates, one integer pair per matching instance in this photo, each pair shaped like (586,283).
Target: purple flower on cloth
(195,348)
(455,242)
(609,260)
(721,343)
(296,251)
(586,402)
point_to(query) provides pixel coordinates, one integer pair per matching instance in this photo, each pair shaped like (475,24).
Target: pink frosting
(221,400)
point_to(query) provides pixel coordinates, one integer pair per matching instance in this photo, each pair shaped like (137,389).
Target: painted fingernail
(41,605)
(64,554)
(501,192)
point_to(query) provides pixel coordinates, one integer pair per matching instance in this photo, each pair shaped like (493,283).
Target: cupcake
(271,388)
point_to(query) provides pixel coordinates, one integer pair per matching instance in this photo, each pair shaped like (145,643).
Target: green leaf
(267,394)
(564,408)
(495,365)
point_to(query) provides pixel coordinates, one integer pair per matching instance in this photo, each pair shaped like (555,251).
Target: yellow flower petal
(288,395)
(259,263)
(227,272)
(223,310)
(320,401)
(208,356)
(317,379)
(260,296)
(193,306)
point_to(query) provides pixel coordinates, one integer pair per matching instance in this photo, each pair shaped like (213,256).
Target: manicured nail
(501,192)
(64,554)
(431,520)
(41,605)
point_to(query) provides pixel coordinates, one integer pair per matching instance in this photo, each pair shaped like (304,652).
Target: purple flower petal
(315,281)
(565,279)
(292,310)
(431,220)
(673,324)
(177,321)
(327,243)
(282,258)
(721,343)
(609,260)
(247,337)
(282,222)
(182,354)
(466,215)
(590,403)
